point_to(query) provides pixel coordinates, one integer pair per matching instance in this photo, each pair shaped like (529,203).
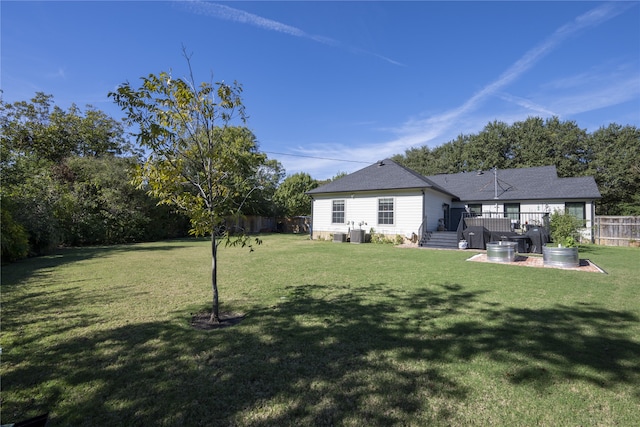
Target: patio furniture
(497,236)
(476,237)
(523,243)
(539,237)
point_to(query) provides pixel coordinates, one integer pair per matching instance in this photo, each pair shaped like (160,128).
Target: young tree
(198,161)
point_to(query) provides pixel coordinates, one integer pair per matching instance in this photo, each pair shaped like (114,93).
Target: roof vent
(480,172)
(380,162)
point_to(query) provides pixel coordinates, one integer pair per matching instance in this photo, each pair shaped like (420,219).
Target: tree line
(610,154)
(69,179)
(69,176)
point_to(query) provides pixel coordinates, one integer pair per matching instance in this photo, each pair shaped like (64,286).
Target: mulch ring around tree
(537,261)
(202,321)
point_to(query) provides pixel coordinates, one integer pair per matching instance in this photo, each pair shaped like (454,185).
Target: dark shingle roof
(517,184)
(512,184)
(383,175)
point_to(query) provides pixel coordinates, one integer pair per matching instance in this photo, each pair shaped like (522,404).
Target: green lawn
(334,334)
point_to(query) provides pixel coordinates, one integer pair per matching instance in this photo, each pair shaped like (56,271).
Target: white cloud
(527,104)
(58,74)
(599,97)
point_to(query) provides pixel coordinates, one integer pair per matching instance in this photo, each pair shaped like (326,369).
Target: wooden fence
(253,224)
(617,230)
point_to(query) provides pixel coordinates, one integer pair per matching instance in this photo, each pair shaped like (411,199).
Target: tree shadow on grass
(324,355)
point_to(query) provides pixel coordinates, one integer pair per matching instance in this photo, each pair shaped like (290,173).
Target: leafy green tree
(451,157)
(197,161)
(339,175)
(37,204)
(537,142)
(333,178)
(266,182)
(492,147)
(570,150)
(291,197)
(420,159)
(13,237)
(616,169)
(50,133)
(446,158)
(105,208)
(39,141)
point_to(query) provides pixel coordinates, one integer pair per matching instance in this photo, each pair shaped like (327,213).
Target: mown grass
(334,334)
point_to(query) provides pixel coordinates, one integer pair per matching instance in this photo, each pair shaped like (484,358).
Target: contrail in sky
(230,14)
(418,132)
(592,18)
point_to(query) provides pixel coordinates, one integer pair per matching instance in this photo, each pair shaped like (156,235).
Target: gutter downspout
(424,202)
(593,223)
(311,223)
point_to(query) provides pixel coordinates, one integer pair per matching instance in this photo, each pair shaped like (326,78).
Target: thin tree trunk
(215,314)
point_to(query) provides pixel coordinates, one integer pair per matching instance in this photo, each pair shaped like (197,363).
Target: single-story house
(394,200)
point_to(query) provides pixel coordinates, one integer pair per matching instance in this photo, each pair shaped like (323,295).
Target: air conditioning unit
(357,236)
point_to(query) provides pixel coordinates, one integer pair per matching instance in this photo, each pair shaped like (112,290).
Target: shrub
(15,241)
(564,229)
(379,237)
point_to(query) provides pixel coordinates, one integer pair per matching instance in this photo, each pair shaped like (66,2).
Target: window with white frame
(385,211)
(337,212)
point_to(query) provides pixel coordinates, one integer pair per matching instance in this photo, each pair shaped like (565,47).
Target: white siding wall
(408,210)
(363,208)
(433,208)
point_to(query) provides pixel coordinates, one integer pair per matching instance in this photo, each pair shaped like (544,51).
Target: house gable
(383,175)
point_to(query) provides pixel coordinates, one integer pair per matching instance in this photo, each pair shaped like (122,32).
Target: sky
(331,86)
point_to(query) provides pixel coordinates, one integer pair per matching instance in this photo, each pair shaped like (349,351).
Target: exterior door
(445,215)
(456,215)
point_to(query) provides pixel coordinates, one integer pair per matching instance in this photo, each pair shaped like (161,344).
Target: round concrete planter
(502,251)
(560,257)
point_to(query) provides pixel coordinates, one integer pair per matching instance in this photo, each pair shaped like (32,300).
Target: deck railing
(422,231)
(518,222)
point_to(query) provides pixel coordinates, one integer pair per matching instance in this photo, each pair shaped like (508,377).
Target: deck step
(441,240)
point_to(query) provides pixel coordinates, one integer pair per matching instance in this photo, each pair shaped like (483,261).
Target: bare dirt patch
(535,261)
(202,321)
